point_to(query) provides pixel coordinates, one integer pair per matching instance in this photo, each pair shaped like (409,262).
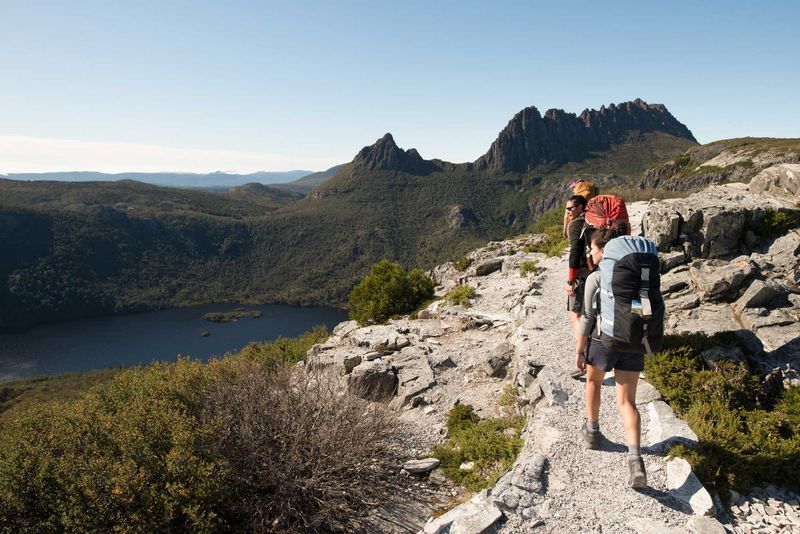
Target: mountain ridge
(531,139)
(124,247)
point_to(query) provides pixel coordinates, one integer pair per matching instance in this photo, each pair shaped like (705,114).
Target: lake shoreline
(129,339)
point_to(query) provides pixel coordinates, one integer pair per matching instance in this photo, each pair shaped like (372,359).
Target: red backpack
(603,211)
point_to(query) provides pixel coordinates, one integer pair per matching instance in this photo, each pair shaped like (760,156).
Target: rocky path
(585,490)
(516,332)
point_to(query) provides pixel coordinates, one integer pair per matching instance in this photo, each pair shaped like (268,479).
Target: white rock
(417,467)
(475,516)
(684,485)
(705,525)
(664,429)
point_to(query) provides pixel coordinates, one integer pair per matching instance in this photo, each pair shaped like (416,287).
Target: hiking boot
(591,438)
(638,476)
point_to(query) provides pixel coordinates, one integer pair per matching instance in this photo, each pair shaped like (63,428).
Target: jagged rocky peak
(531,139)
(385,155)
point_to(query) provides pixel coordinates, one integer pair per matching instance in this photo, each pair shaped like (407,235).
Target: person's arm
(588,318)
(576,251)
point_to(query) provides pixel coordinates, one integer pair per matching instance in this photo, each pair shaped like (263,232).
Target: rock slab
(684,485)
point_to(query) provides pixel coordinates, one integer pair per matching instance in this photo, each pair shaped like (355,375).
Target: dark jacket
(578,268)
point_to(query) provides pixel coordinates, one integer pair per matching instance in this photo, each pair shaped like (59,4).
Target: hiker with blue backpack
(622,319)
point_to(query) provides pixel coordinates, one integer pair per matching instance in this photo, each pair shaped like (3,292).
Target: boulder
(783,256)
(709,318)
(646,392)
(664,429)
(488,267)
(684,485)
(373,380)
(673,282)
(686,301)
(476,516)
(440,359)
(512,492)
(414,374)
(711,223)
(758,318)
(342,329)
(705,525)
(386,338)
(781,180)
(497,360)
(670,260)
(662,224)
(716,354)
(420,467)
(758,295)
(718,280)
(552,388)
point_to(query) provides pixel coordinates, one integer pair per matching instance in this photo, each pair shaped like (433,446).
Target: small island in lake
(227,317)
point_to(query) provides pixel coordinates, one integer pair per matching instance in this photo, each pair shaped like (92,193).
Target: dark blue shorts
(606,359)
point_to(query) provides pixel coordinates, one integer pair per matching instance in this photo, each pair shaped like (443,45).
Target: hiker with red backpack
(623,318)
(583,188)
(578,268)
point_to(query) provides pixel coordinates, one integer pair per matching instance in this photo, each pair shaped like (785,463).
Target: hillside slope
(94,248)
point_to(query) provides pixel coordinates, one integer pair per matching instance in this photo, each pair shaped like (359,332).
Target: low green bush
(528,266)
(550,223)
(388,291)
(486,442)
(460,295)
(242,444)
(747,435)
(462,264)
(775,222)
(509,396)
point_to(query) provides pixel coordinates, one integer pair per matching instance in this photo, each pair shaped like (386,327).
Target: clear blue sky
(309,83)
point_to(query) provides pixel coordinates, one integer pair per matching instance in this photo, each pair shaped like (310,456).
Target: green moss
(488,443)
(747,434)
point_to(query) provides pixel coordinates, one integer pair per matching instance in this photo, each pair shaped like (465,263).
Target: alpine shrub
(388,291)
(487,443)
(746,435)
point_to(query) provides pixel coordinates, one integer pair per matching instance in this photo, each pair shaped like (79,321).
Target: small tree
(388,290)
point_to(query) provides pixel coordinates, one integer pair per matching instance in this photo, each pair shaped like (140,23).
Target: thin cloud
(36,154)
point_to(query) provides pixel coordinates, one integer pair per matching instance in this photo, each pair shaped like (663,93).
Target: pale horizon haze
(201,86)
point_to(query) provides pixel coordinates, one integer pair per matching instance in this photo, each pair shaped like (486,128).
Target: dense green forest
(82,249)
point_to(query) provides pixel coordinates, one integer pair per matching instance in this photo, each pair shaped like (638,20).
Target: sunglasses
(570,208)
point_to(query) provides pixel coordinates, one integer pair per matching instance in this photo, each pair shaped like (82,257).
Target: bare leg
(594,381)
(626,402)
(575,319)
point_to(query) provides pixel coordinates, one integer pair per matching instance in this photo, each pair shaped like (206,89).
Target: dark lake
(101,342)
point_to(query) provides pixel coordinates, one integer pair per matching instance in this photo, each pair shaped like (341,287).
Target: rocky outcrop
(779,180)
(385,155)
(714,223)
(736,280)
(511,344)
(531,139)
(734,160)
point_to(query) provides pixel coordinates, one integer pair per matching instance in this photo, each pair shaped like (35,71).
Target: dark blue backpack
(631,305)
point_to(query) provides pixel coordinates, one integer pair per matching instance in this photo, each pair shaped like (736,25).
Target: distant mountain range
(75,249)
(167,179)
